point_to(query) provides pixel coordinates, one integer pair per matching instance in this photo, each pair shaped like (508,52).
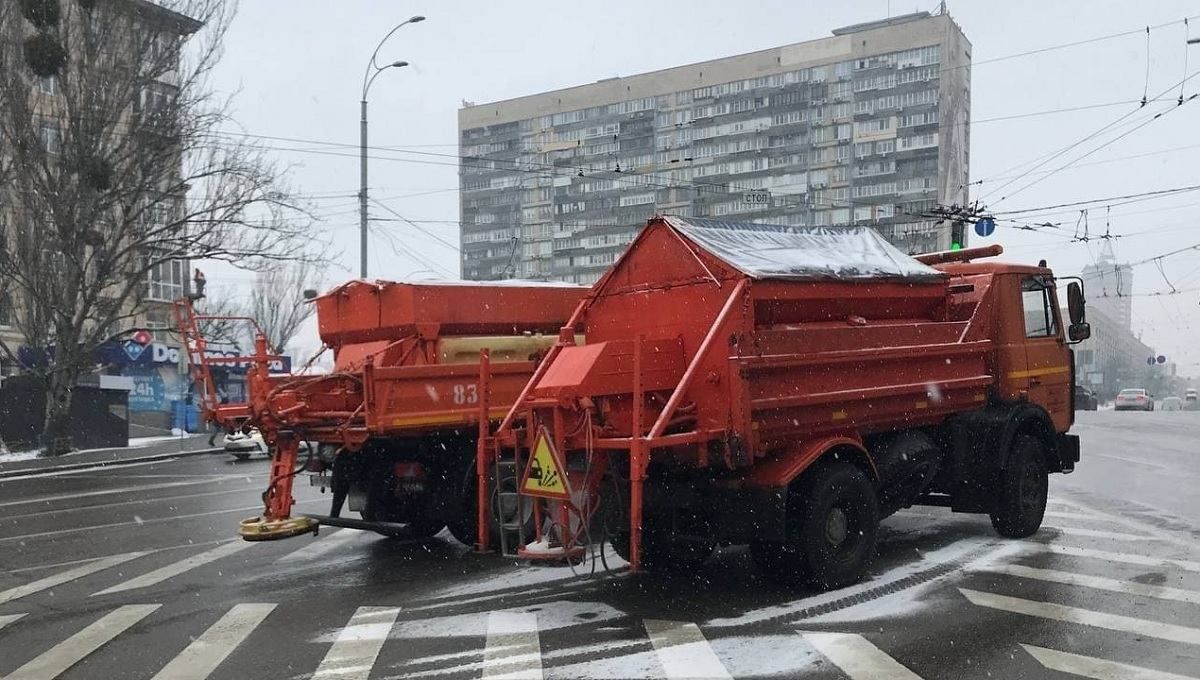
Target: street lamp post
(373,69)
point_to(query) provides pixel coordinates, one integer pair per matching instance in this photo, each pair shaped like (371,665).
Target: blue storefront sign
(149,391)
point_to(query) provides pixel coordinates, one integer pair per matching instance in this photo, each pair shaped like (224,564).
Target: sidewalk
(174,447)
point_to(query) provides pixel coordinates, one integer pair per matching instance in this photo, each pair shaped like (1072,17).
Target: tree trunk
(56,431)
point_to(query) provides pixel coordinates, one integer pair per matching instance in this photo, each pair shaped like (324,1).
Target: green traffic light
(955,246)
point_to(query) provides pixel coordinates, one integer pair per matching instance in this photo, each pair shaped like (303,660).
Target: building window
(1037,299)
(6,310)
(48,85)
(165,281)
(50,137)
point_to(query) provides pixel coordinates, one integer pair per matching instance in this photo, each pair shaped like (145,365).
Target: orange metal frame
(779,360)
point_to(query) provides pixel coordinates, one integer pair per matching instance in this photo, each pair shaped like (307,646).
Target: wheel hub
(836,526)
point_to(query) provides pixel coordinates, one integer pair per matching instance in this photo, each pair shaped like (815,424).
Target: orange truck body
(707,388)
(397,417)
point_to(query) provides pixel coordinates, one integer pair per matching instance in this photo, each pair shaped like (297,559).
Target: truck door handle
(1033,382)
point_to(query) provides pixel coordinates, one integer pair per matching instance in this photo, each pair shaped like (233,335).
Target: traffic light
(957,235)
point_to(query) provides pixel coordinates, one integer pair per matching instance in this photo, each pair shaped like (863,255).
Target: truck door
(1048,369)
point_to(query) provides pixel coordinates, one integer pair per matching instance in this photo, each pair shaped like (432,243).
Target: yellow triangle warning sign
(544,475)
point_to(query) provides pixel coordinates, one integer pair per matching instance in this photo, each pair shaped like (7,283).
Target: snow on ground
(893,605)
(138,442)
(134,443)
(536,577)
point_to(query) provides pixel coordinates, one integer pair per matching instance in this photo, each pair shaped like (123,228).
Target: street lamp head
(417,19)
(399,64)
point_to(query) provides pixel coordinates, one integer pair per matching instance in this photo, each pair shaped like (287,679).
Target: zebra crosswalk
(1098,591)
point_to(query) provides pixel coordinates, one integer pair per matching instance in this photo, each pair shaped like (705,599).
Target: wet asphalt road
(132,572)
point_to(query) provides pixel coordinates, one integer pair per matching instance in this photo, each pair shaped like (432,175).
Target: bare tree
(223,302)
(278,303)
(115,161)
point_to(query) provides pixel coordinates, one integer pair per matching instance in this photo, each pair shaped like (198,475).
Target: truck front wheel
(833,515)
(1022,489)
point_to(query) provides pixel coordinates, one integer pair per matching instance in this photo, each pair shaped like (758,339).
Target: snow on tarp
(776,251)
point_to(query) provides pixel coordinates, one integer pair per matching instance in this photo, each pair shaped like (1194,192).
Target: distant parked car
(1085,399)
(243,445)
(1171,404)
(1134,399)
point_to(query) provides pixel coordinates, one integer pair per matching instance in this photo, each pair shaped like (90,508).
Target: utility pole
(362,187)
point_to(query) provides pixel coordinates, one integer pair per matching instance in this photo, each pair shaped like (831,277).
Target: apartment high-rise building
(867,127)
(1110,287)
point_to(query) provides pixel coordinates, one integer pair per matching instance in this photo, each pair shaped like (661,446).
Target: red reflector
(408,470)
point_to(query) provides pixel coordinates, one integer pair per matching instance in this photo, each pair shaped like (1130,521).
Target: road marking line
(66,576)
(357,646)
(320,546)
(1163,535)
(109,492)
(156,520)
(139,502)
(1098,582)
(1128,558)
(34,474)
(6,619)
(1087,617)
(1097,669)
(171,570)
(857,657)
(514,649)
(1097,533)
(683,651)
(71,651)
(207,652)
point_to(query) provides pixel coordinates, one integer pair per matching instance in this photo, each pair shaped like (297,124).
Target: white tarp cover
(776,251)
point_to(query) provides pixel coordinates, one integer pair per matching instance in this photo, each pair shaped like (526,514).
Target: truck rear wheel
(834,518)
(1022,490)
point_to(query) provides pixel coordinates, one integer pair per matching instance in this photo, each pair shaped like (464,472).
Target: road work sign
(544,475)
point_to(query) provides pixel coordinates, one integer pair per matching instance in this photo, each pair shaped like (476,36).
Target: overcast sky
(297,67)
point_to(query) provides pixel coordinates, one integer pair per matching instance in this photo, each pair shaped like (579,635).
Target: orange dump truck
(787,388)
(392,429)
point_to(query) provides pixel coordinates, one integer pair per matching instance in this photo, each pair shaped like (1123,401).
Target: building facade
(1109,288)
(1113,358)
(153,380)
(869,126)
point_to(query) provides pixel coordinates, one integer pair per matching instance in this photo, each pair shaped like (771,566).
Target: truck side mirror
(1078,332)
(1075,306)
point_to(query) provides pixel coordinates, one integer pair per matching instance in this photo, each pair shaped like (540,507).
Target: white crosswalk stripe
(857,657)
(72,650)
(514,649)
(176,568)
(683,651)
(320,545)
(207,652)
(1087,617)
(67,576)
(1097,669)
(6,619)
(1127,558)
(357,646)
(1098,582)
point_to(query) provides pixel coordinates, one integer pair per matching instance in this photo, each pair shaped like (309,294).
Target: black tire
(241,456)
(463,525)
(1022,488)
(834,515)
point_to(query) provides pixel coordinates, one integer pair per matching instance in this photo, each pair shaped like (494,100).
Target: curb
(5,474)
